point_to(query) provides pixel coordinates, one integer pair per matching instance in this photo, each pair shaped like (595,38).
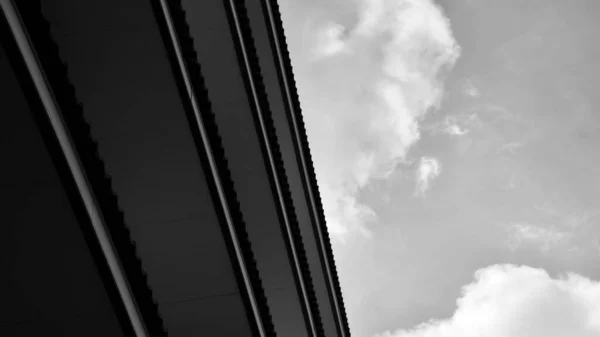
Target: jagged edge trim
(189,54)
(305,148)
(281,175)
(87,150)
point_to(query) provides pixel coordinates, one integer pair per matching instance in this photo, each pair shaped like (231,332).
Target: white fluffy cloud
(363,106)
(429,168)
(519,301)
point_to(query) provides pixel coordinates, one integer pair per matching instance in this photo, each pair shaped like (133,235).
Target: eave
(79,149)
(187,70)
(255,85)
(285,76)
(206,139)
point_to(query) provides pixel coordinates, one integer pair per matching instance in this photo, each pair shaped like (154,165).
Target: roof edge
(293,100)
(198,88)
(239,10)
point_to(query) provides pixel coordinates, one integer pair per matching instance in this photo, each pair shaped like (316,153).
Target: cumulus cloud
(363,103)
(518,301)
(429,169)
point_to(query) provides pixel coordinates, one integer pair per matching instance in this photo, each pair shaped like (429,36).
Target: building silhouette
(156,177)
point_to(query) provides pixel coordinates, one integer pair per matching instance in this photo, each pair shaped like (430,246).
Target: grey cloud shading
(364,94)
(530,138)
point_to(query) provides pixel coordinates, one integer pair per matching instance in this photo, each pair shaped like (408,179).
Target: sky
(455,147)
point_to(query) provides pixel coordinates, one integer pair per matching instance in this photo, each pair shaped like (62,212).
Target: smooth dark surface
(50,285)
(241,142)
(206,133)
(122,75)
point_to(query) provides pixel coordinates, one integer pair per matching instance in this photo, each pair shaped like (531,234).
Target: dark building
(156,177)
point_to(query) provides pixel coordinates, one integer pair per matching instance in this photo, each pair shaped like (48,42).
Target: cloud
(556,227)
(491,129)
(548,210)
(470,90)
(455,130)
(577,220)
(455,125)
(363,103)
(573,218)
(518,301)
(429,169)
(546,238)
(510,147)
(349,213)
(452,124)
(329,40)
(596,247)
(511,184)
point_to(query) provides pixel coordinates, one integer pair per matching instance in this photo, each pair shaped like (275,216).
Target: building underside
(156,175)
